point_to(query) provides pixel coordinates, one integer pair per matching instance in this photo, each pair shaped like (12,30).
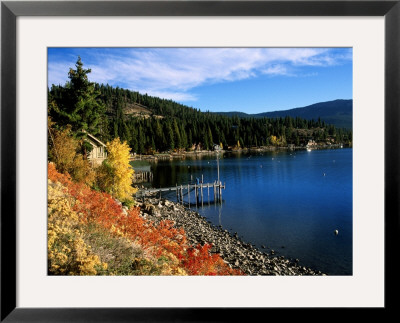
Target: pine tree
(177,135)
(170,143)
(80,105)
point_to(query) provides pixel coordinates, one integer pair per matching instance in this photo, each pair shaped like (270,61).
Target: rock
(149,208)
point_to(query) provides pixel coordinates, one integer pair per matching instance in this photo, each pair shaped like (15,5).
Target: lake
(287,201)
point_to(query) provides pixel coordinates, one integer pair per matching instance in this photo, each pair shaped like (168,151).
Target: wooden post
(189,194)
(177,195)
(201,188)
(181,194)
(208,192)
(218,164)
(220,191)
(214,192)
(195,193)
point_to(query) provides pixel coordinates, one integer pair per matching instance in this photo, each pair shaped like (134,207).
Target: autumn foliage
(115,174)
(64,152)
(68,254)
(155,249)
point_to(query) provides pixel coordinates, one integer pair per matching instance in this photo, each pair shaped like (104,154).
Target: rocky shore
(237,253)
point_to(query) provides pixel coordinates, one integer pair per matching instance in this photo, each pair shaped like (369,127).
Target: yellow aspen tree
(118,159)
(273,140)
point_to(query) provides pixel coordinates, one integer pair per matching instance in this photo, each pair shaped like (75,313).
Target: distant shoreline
(183,154)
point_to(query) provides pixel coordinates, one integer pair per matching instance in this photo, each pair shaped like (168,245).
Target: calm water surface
(289,201)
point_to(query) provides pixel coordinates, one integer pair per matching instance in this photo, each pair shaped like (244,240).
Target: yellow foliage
(122,171)
(172,266)
(63,152)
(277,141)
(68,254)
(273,140)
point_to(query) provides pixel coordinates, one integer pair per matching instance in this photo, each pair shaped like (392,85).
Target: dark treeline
(150,124)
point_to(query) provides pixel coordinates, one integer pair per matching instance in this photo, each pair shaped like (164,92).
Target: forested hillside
(337,112)
(150,124)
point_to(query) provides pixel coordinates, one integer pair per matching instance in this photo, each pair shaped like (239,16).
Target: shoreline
(237,253)
(184,154)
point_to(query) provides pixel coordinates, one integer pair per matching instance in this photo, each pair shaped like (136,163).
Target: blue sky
(251,80)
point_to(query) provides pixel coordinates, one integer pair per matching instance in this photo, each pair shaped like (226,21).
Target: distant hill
(236,114)
(338,113)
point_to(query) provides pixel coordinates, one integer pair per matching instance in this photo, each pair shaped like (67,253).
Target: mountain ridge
(336,112)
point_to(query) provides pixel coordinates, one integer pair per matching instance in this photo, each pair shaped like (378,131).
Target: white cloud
(58,72)
(278,69)
(174,72)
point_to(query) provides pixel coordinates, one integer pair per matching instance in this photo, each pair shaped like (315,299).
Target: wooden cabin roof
(94,140)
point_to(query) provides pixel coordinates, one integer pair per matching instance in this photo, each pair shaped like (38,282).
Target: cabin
(311,144)
(98,153)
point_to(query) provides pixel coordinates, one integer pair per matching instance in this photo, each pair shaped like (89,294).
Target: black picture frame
(10,10)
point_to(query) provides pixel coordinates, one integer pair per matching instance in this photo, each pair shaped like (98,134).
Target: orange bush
(158,240)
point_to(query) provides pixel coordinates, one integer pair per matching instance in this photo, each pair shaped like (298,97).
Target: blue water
(288,201)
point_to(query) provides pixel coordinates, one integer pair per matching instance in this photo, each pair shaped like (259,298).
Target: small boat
(308,149)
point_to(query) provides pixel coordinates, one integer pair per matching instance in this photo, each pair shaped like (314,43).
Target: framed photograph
(152,61)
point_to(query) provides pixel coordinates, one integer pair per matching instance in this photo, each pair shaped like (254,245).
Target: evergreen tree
(170,143)
(177,135)
(79,103)
(141,140)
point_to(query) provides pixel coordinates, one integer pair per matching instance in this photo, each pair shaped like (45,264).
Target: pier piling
(179,190)
(181,194)
(201,190)
(189,195)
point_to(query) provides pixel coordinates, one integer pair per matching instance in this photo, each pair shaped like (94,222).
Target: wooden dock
(200,190)
(142,177)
